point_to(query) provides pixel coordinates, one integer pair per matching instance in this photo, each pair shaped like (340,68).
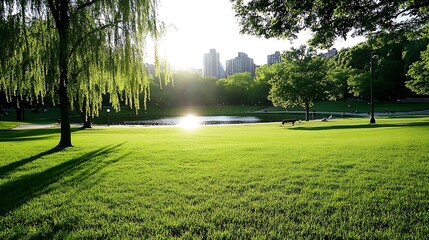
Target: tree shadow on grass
(402,116)
(360,126)
(14,165)
(30,134)
(16,193)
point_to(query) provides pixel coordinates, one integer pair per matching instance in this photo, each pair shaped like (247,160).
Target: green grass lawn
(9,124)
(317,180)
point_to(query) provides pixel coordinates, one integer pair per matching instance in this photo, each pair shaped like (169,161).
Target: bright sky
(196,26)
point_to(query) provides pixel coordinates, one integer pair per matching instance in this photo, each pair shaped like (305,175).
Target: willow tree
(24,61)
(97,69)
(99,48)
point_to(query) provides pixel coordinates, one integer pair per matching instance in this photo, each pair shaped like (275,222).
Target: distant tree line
(191,89)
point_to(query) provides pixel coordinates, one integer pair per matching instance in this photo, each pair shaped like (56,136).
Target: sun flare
(189,122)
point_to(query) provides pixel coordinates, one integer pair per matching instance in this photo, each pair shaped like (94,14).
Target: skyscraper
(274,58)
(212,66)
(331,52)
(241,63)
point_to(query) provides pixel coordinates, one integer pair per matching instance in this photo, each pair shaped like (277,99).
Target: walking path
(40,126)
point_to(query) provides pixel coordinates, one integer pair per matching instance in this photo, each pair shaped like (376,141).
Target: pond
(191,120)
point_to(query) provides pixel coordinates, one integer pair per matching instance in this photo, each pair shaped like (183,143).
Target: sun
(190,121)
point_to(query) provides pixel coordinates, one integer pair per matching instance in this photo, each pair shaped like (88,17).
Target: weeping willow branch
(87,35)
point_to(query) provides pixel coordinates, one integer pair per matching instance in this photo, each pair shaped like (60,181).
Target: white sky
(196,26)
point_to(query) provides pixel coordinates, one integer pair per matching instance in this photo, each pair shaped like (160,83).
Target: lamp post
(108,117)
(372,120)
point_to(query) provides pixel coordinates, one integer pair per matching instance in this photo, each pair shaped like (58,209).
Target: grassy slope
(338,179)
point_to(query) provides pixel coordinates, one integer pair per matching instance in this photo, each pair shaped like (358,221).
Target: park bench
(288,121)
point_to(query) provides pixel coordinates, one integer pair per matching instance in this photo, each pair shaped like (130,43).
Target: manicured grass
(8,125)
(337,179)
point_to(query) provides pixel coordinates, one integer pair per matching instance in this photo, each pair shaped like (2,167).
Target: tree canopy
(235,88)
(419,70)
(328,19)
(299,80)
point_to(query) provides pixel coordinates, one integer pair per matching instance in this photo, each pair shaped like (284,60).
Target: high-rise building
(274,58)
(331,52)
(212,66)
(241,63)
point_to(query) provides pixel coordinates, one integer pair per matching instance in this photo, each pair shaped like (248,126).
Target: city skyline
(194,27)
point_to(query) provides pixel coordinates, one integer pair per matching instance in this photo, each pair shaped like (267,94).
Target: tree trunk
(307,110)
(85,117)
(19,115)
(65,140)
(83,114)
(87,122)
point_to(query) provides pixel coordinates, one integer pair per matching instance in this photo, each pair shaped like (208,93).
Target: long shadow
(407,116)
(30,134)
(14,165)
(359,126)
(16,193)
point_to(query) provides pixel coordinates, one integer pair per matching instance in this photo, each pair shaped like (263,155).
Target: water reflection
(191,121)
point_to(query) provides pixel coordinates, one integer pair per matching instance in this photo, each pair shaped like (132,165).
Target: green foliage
(328,20)
(299,80)
(235,88)
(412,51)
(190,89)
(337,82)
(359,84)
(338,77)
(261,87)
(390,66)
(350,180)
(419,70)
(25,67)
(393,53)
